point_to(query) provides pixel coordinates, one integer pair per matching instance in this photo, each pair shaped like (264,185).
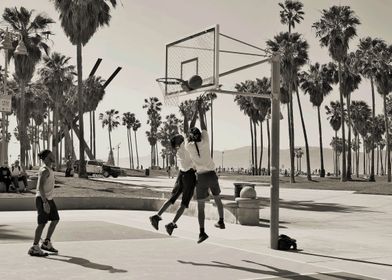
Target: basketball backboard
(196,54)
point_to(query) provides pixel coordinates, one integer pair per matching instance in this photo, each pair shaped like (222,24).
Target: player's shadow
(270,270)
(85,263)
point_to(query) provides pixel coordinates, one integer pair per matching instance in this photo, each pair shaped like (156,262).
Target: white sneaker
(47,246)
(36,251)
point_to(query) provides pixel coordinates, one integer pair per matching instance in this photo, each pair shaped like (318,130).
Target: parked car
(98,167)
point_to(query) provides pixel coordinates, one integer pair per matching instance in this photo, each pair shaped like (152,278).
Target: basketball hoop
(173,85)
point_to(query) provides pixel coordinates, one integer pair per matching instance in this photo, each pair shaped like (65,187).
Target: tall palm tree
(317,83)
(135,126)
(127,120)
(291,13)
(153,106)
(56,74)
(34,33)
(111,120)
(334,114)
(360,115)
(294,55)
(383,79)
(335,29)
(350,82)
(80,20)
(367,56)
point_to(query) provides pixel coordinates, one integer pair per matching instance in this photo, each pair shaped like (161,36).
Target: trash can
(238,187)
(147,172)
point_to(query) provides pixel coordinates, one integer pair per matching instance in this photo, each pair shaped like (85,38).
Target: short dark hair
(43,154)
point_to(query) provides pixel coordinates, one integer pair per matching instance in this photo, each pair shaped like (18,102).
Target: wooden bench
(238,187)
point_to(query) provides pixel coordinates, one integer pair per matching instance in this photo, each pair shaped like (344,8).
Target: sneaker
(170,227)
(220,225)
(155,221)
(35,251)
(202,236)
(47,246)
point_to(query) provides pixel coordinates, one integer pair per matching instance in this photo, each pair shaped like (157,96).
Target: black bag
(285,243)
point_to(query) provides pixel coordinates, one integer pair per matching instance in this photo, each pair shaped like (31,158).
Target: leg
(38,233)
(51,229)
(24,179)
(179,213)
(164,207)
(219,205)
(15,182)
(201,217)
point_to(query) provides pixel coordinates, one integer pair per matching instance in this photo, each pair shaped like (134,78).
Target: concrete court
(340,235)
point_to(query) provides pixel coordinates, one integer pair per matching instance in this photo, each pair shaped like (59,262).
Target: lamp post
(5,101)
(222,160)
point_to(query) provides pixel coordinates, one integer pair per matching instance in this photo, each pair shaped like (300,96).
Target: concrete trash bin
(238,187)
(248,207)
(147,172)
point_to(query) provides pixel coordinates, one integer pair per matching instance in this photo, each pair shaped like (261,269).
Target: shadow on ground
(85,263)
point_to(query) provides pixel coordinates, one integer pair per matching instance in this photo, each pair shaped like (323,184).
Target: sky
(136,39)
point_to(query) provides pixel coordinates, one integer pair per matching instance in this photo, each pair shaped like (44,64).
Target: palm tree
(291,13)
(360,115)
(383,79)
(111,120)
(80,20)
(56,74)
(350,82)
(335,29)
(317,83)
(33,33)
(127,120)
(367,55)
(135,126)
(334,114)
(153,106)
(294,55)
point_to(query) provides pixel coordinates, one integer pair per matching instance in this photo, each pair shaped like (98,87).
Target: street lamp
(222,160)
(5,100)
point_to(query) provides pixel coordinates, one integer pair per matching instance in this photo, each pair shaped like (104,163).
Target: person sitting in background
(5,176)
(69,169)
(18,174)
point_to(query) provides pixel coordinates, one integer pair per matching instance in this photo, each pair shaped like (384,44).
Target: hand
(46,207)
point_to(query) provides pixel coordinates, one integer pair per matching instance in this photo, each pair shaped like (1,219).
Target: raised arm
(194,118)
(203,125)
(186,125)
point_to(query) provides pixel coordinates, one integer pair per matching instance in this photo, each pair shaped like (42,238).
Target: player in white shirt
(185,183)
(198,147)
(46,208)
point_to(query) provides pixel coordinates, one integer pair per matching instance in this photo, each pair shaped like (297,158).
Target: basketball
(195,82)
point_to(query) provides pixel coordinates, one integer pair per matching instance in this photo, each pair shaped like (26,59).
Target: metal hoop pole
(275,147)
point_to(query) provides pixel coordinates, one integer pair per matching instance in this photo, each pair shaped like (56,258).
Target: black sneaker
(155,221)
(170,227)
(202,236)
(47,246)
(35,251)
(220,225)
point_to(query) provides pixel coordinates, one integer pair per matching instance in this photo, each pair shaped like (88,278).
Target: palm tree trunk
(336,156)
(54,138)
(344,176)
(381,165)
(364,158)
(387,138)
(157,153)
(22,126)
(261,146)
(255,135)
(91,129)
(268,150)
(137,152)
(371,178)
(129,149)
(322,170)
(94,146)
(378,159)
(130,141)
(212,130)
(82,163)
(291,147)
(308,175)
(252,146)
(111,157)
(291,127)
(349,172)
(357,156)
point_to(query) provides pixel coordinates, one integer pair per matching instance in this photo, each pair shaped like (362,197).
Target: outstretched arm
(203,125)
(194,118)
(186,128)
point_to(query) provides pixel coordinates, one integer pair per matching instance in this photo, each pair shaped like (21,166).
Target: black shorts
(207,181)
(185,184)
(43,217)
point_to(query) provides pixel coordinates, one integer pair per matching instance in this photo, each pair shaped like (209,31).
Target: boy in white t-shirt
(185,183)
(198,147)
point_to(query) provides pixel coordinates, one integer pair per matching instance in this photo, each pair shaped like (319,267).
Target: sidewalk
(340,235)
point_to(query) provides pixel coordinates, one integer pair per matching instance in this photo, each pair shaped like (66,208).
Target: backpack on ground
(285,243)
